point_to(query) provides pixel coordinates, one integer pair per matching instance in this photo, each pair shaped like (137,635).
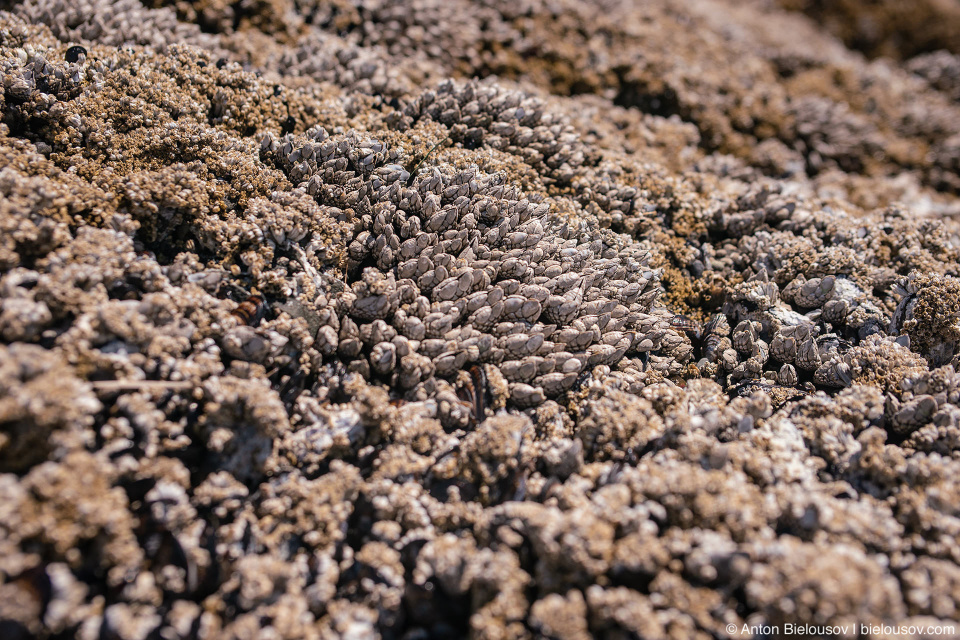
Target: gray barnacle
(808,355)
(745,336)
(247,343)
(914,414)
(905,290)
(835,372)
(814,292)
(376,296)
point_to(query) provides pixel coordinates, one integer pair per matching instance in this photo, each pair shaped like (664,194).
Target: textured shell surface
(653,324)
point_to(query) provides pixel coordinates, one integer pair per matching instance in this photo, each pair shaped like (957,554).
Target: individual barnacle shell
(713,346)
(789,292)
(437,324)
(244,343)
(350,344)
(413,369)
(519,370)
(413,328)
(742,222)
(717,325)
(782,316)
(835,311)
(578,339)
(846,289)
(441,221)
(830,344)
(758,292)
(600,354)
(786,342)
(433,347)
(524,395)
(449,362)
(787,375)
(520,308)
(914,414)
(814,292)
(906,289)
(784,348)
(404,345)
(598,307)
(744,337)
(453,288)
(761,352)
(564,362)
(729,359)
(834,373)
(383,358)
(452,412)
(808,355)
(369,308)
(868,320)
(752,367)
(564,282)
(379,331)
(326,340)
(562,310)
(327,315)
(553,384)
(361,246)
(521,344)
(486,317)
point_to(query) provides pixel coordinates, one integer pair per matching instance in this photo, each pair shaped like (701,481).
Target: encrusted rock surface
(495,319)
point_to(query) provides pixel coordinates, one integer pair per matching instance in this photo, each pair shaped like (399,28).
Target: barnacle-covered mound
(490,319)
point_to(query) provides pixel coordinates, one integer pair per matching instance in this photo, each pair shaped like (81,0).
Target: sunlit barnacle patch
(456,271)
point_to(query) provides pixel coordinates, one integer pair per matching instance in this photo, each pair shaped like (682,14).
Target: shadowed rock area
(500,320)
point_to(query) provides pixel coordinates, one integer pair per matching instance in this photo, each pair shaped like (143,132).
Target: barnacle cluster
(309,328)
